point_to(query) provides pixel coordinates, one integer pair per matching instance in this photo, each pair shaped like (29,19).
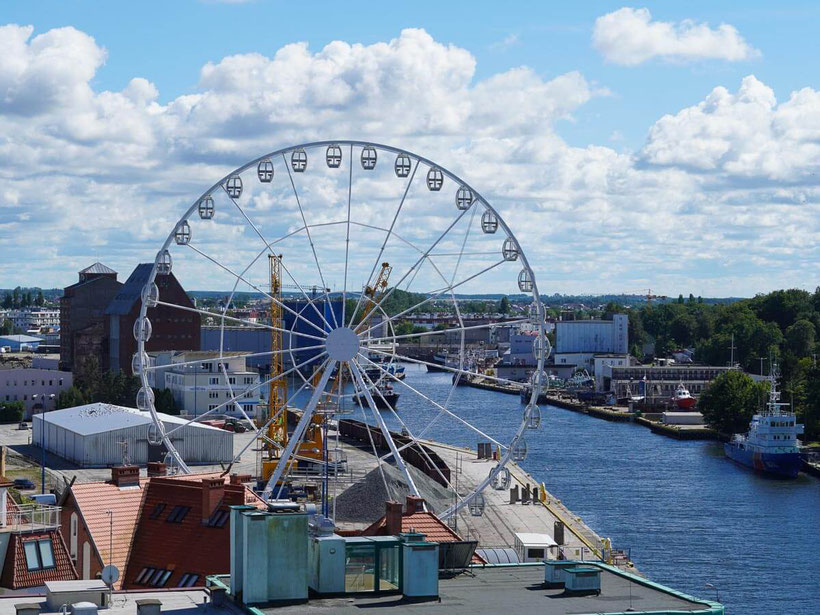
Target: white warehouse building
(99,435)
(578,341)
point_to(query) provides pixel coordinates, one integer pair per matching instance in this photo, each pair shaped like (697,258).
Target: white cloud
(629,37)
(746,134)
(107,174)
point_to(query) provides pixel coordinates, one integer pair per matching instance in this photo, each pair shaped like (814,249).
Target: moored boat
(771,445)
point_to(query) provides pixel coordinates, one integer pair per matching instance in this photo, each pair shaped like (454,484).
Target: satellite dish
(110,574)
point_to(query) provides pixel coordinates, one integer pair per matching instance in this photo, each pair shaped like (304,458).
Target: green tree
(800,338)
(40,300)
(164,401)
(15,298)
(810,413)
(6,327)
(730,400)
(8,302)
(70,398)
(504,305)
(11,411)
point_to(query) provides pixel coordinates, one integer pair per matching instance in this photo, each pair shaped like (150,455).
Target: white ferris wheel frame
(145,397)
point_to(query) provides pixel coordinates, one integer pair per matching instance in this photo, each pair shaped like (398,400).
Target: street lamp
(44,399)
(717,592)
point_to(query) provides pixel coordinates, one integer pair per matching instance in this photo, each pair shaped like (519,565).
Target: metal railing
(32,518)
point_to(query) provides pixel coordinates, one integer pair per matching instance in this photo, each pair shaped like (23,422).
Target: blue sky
(617,104)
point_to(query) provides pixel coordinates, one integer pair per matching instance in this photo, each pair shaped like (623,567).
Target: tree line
(779,327)
(20,298)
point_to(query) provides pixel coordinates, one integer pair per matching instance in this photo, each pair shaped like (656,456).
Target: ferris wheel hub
(342,344)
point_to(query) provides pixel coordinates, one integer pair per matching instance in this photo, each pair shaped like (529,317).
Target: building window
(213,394)
(157,510)
(211,407)
(219,518)
(156,577)
(178,514)
(213,380)
(231,380)
(207,367)
(188,580)
(39,554)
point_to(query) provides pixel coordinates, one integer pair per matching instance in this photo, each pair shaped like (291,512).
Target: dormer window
(39,554)
(178,514)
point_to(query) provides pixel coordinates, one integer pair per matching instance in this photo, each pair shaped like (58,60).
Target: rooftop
(99,417)
(131,291)
(20,339)
(517,589)
(97,268)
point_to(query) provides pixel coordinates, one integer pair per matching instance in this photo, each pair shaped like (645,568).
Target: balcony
(31,518)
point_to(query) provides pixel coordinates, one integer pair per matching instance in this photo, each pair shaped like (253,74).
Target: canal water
(687,514)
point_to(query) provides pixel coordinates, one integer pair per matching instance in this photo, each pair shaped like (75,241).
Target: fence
(32,518)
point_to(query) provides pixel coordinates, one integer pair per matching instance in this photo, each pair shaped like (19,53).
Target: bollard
(525,495)
(513,494)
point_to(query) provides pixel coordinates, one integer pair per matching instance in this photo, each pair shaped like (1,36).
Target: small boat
(384,397)
(437,363)
(682,398)
(771,445)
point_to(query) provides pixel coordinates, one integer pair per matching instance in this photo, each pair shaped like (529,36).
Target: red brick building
(168,531)
(172,328)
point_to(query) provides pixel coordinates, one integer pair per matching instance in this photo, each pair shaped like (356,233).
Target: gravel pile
(364,501)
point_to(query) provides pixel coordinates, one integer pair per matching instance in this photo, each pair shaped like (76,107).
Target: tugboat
(384,397)
(771,445)
(682,398)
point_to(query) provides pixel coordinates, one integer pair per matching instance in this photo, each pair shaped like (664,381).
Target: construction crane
(310,449)
(650,296)
(374,294)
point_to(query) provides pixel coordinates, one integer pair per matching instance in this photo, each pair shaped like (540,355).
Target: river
(688,515)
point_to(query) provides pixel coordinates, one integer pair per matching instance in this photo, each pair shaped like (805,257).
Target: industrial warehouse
(101,435)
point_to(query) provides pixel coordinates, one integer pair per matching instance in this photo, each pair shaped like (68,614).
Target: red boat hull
(686,403)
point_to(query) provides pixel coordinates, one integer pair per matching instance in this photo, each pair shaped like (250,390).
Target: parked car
(23,425)
(23,483)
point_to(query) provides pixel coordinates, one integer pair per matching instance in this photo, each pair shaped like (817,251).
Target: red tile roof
(93,500)
(16,574)
(188,547)
(433,528)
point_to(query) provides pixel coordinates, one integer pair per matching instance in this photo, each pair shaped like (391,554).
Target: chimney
(240,479)
(212,491)
(414,504)
(393,518)
(125,476)
(234,495)
(157,468)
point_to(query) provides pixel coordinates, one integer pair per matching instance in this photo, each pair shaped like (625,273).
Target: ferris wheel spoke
(416,264)
(239,277)
(347,236)
(248,323)
(413,440)
(308,299)
(249,389)
(250,355)
(310,239)
(357,375)
(387,237)
(433,402)
(299,431)
(435,294)
(261,430)
(379,460)
(431,332)
(405,359)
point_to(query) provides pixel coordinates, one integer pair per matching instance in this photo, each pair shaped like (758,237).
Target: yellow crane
(277,433)
(374,293)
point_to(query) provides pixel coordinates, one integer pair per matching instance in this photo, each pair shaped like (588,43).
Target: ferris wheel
(340,244)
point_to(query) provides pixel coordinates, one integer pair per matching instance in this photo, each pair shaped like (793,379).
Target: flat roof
(533,539)
(100,417)
(513,589)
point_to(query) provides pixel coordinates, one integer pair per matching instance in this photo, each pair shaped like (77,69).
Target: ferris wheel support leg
(296,437)
(383,427)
